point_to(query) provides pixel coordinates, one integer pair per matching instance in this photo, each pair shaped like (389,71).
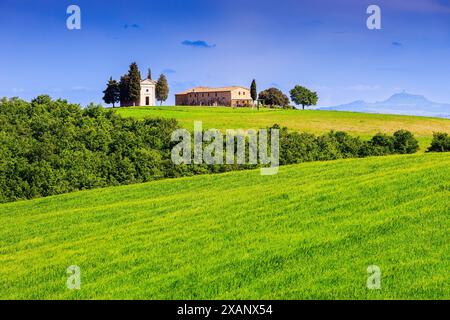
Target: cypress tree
(162,89)
(112,92)
(116,92)
(149,74)
(135,83)
(124,87)
(253,91)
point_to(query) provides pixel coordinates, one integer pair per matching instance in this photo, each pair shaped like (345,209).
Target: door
(147,101)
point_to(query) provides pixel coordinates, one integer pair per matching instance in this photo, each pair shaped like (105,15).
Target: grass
(314,121)
(309,232)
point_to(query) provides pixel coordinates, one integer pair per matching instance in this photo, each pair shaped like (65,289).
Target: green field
(309,232)
(361,124)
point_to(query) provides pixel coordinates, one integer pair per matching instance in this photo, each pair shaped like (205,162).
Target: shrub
(382,144)
(348,146)
(301,147)
(404,142)
(440,143)
(297,147)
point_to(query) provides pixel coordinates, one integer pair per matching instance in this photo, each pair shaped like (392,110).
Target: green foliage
(381,144)
(135,83)
(310,232)
(303,147)
(297,147)
(162,89)
(273,97)
(253,90)
(112,92)
(303,96)
(124,88)
(404,142)
(50,147)
(149,74)
(440,143)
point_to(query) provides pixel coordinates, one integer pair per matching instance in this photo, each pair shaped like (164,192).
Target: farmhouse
(147,97)
(204,96)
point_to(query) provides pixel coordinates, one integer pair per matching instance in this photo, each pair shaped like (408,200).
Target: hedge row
(50,147)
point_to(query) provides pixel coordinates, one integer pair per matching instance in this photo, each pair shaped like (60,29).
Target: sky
(324,45)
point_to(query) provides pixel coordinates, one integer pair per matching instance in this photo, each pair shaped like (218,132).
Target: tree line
(128,90)
(50,147)
(275,98)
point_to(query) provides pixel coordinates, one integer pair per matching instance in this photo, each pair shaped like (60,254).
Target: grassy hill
(362,124)
(309,232)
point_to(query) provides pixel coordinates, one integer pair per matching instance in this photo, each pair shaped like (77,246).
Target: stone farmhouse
(204,96)
(148,97)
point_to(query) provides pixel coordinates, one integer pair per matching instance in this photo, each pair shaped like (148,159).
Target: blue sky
(322,44)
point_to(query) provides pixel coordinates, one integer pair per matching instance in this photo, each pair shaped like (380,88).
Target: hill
(309,232)
(400,103)
(314,121)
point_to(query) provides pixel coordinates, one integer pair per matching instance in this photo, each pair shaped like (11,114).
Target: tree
(135,83)
(162,89)
(274,97)
(405,143)
(149,74)
(112,92)
(124,88)
(253,91)
(440,143)
(303,96)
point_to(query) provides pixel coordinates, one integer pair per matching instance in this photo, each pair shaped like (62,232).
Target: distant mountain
(399,103)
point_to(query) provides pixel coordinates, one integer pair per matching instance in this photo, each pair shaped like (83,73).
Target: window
(146,90)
